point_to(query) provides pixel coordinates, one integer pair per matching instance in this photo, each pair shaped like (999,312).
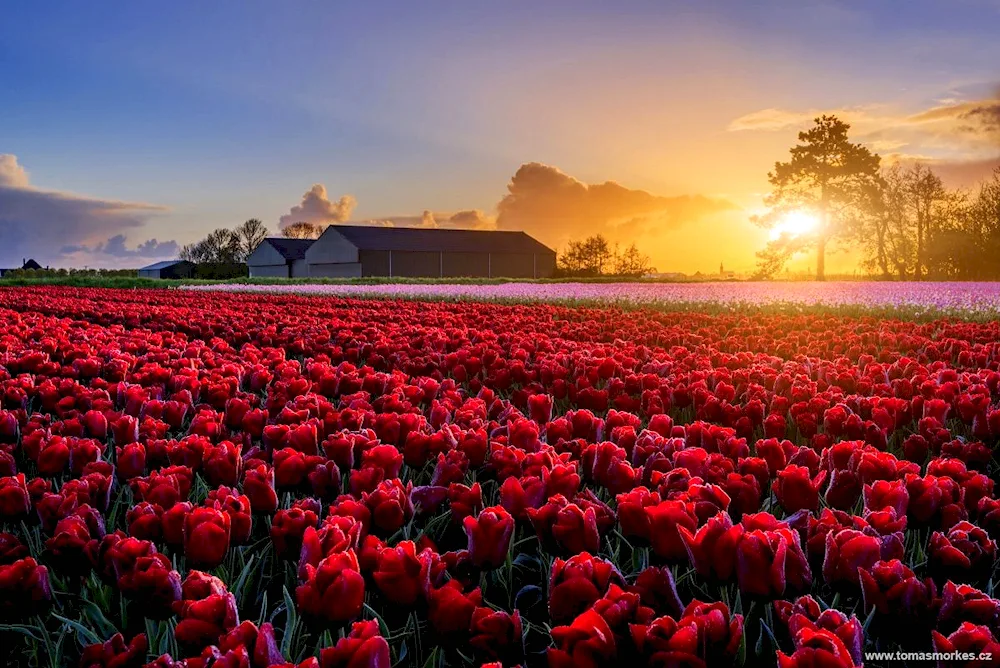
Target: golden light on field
(795,224)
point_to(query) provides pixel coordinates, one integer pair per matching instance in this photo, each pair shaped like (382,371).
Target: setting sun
(794,224)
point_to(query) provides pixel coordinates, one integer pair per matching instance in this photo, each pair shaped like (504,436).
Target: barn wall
(269,271)
(177,271)
(374,263)
(300,269)
(545,264)
(416,264)
(148,273)
(265,254)
(466,264)
(512,265)
(331,248)
(335,270)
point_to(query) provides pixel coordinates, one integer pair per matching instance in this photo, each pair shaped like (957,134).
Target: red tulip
(966,551)
(968,639)
(15,501)
(797,490)
(334,591)
(586,642)
(450,610)
(496,634)
(575,584)
(817,648)
(115,653)
(963,603)
(489,537)
(258,485)
(206,537)
(363,646)
(25,590)
(203,621)
(848,551)
(287,530)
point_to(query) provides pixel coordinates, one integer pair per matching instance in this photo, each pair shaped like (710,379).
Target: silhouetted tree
(589,257)
(302,230)
(825,174)
(250,233)
(631,262)
(220,246)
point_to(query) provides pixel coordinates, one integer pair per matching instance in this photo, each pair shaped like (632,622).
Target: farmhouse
(25,264)
(279,257)
(361,250)
(168,269)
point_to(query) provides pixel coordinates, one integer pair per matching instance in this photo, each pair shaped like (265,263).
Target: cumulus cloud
(473,219)
(40,223)
(12,175)
(555,207)
(316,207)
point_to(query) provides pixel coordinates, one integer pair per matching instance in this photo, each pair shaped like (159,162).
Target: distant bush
(68,273)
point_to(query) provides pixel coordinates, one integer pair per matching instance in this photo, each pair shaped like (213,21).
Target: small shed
(277,257)
(361,250)
(168,269)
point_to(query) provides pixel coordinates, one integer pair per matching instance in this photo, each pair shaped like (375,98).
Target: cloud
(780,119)
(473,219)
(959,134)
(316,207)
(12,175)
(40,223)
(960,120)
(468,219)
(555,207)
(115,247)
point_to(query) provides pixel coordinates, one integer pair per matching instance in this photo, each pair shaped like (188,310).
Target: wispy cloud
(959,134)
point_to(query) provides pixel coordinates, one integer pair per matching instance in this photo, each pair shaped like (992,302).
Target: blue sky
(221,111)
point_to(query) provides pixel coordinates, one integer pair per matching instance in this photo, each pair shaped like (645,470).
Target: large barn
(279,257)
(361,250)
(168,269)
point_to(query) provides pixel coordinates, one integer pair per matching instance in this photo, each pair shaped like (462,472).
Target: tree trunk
(821,259)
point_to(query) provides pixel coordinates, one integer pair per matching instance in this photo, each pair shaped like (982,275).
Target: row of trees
(595,256)
(904,220)
(913,227)
(226,246)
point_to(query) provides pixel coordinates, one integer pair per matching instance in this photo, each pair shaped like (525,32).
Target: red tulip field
(194,479)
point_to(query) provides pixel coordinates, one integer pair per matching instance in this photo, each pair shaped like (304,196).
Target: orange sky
(130,132)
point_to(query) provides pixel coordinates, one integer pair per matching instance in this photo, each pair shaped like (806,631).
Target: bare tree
(631,262)
(302,230)
(251,234)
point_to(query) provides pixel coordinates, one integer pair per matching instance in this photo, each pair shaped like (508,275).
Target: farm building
(168,269)
(25,264)
(279,257)
(359,250)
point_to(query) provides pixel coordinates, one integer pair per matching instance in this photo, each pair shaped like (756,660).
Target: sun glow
(794,224)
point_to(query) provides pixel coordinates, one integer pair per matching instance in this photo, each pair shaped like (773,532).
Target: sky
(130,129)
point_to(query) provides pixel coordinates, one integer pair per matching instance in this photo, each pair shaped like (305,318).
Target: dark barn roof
(31,264)
(163,265)
(367,237)
(290,249)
